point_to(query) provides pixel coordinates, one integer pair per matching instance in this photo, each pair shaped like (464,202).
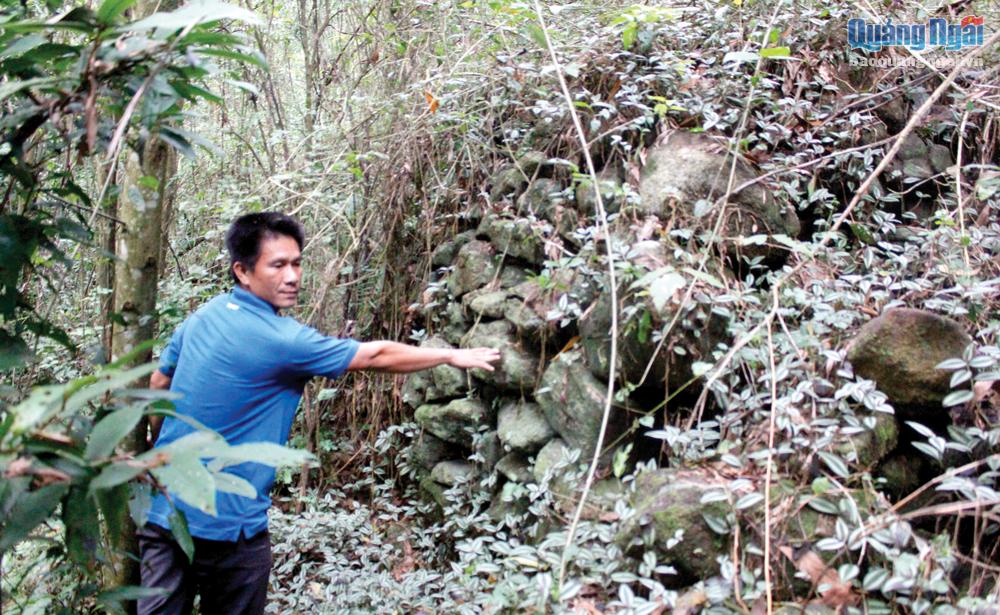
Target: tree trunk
(144,183)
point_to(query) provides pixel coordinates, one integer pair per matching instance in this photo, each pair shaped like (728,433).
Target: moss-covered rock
(507,183)
(546,459)
(667,503)
(516,237)
(441,382)
(490,449)
(453,472)
(417,387)
(427,450)
(522,426)
(433,492)
(873,445)
(899,475)
(514,467)
(572,400)
(541,197)
(637,348)
(688,168)
(509,501)
(900,351)
(451,323)
(609,182)
(486,302)
(919,159)
(445,253)
(474,267)
(525,319)
(454,421)
(516,370)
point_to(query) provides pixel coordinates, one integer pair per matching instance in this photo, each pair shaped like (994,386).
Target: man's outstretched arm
(401,358)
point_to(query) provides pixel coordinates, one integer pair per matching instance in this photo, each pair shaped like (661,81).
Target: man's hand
(474,357)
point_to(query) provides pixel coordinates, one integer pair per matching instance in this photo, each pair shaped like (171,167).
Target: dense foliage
(381,124)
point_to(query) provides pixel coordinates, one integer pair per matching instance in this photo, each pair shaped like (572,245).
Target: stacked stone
(549,390)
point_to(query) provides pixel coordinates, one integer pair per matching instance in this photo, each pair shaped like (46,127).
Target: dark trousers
(230,577)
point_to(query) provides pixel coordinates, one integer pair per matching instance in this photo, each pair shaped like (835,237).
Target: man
(240,368)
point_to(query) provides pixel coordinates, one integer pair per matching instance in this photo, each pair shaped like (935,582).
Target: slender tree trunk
(144,184)
(106,262)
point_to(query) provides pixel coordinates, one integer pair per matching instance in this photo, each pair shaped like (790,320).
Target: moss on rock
(900,351)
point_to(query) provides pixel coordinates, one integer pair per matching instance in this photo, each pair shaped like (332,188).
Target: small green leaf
(740,57)
(835,463)
(629,34)
(957,398)
(824,506)
(192,13)
(179,528)
(663,289)
(775,52)
(115,474)
(28,511)
(749,500)
(111,9)
(22,46)
(536,34)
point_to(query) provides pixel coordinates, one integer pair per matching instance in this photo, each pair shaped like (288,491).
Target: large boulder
(688,168)
(572,400)
(900,351)
(516,370)
(453,422)
(474,267)
(668,504)
(522,427)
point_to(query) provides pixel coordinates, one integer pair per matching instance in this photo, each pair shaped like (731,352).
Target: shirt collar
(248,299)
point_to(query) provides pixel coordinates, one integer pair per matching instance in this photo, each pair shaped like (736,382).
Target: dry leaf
(432,102)
(837,593)
(690,602)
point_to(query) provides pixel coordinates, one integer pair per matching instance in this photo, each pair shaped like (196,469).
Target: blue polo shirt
(240,369)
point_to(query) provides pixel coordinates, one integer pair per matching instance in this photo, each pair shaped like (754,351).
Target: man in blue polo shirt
(240,368)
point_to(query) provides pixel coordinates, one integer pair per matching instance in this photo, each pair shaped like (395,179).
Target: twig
(958,190)
(602,220)
(769,461)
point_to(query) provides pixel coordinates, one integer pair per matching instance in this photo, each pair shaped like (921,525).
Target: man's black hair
(246,233)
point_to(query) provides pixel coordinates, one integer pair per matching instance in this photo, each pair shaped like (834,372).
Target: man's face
(276,276)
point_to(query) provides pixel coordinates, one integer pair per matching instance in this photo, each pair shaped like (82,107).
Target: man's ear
(241,273)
